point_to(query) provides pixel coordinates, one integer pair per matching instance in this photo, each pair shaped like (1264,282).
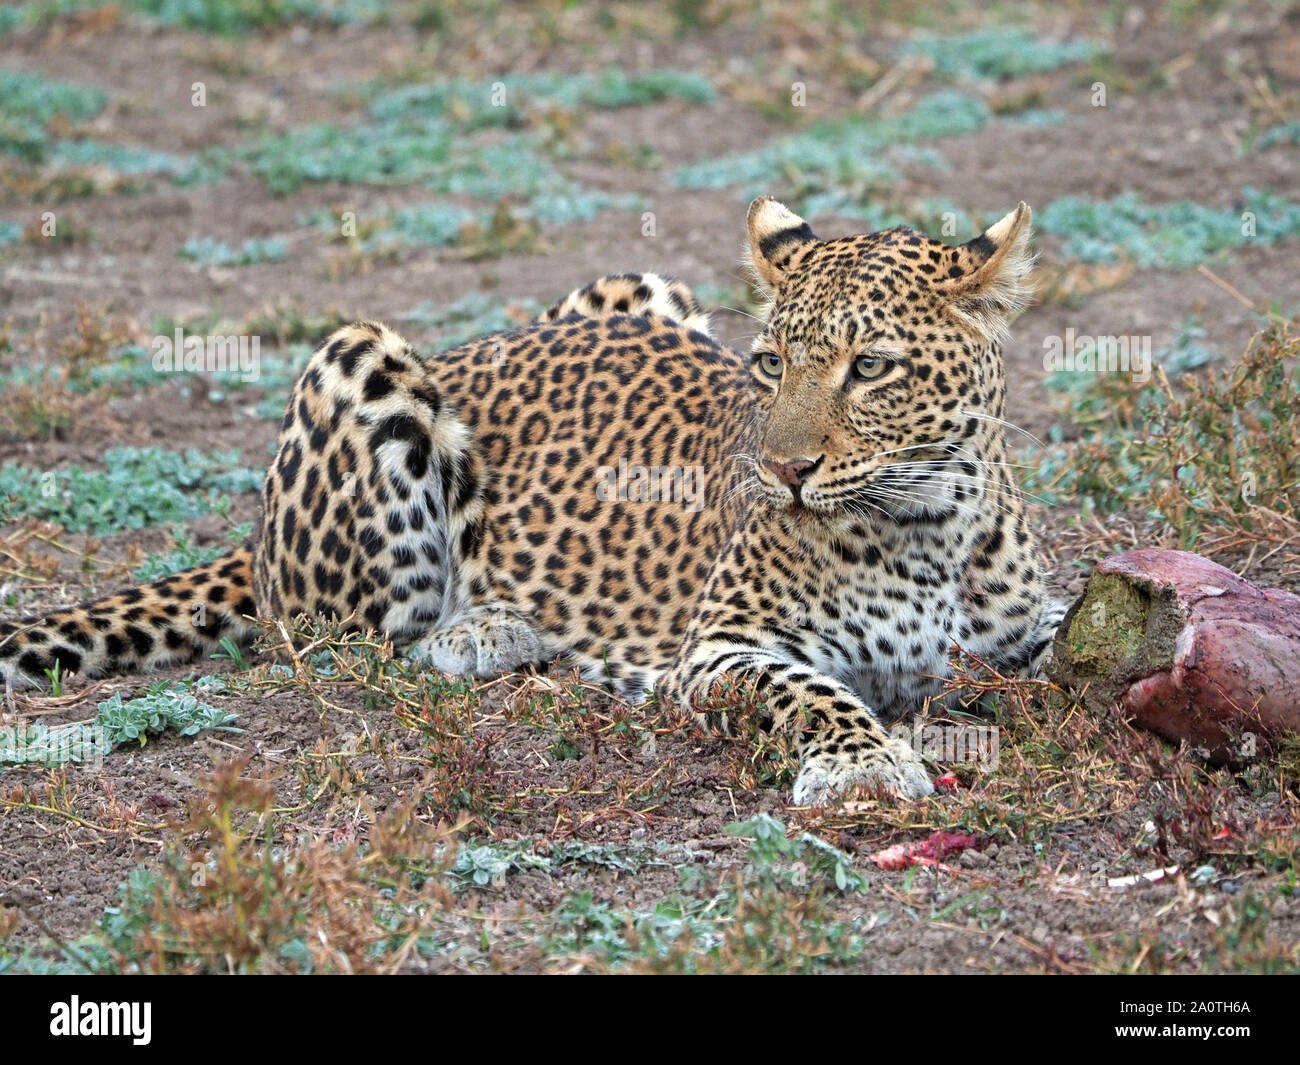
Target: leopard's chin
(804,507)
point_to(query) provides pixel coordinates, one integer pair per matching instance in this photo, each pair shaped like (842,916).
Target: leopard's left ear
(988,277)
(778,240)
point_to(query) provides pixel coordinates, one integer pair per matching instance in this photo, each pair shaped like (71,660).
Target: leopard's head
(878,369)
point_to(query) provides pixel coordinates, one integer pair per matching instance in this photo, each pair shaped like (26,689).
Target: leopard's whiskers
(1031,496)
(935,506)
(980,415)
(744,314)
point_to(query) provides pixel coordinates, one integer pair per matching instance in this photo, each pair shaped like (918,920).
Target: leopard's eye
(871,367)
(770,363)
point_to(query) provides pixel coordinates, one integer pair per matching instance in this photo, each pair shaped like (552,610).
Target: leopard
(824,518)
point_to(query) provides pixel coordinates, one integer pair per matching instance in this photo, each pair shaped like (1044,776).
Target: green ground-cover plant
(212,252)
(185,554)
(1177,234)
(30,103)
(37,115)
(456,137)
(132,161)
(841,153)
(39,12)
(443,224)
(997,52)
(513,100)
(164,706)
(167,705)
(487,863)
(137,488)
(776,917)
(238,18)
(1281,133)
(1212,451)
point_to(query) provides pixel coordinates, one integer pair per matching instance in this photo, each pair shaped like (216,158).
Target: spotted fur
(826,516)
(650,294)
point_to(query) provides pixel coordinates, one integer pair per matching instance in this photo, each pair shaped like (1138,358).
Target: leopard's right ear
(987,280)
(778,241)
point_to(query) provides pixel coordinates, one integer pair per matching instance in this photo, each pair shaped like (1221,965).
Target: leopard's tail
(174,619)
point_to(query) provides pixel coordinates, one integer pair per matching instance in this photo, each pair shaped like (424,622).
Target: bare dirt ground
(626,811)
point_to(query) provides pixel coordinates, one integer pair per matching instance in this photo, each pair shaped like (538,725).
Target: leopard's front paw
(893,765)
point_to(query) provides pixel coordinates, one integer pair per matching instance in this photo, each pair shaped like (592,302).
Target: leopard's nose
(792,472)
